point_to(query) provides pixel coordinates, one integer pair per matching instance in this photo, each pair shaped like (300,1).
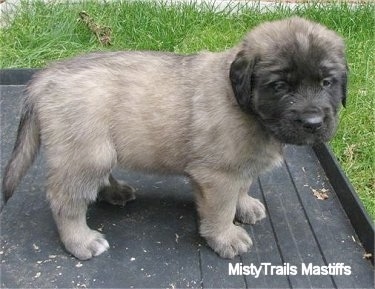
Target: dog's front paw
(87,245)
(250,210)
(231,242)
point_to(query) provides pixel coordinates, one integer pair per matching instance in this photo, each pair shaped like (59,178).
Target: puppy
(219,118)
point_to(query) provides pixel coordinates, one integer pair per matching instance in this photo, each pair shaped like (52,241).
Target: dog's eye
(326,83)
(280,86)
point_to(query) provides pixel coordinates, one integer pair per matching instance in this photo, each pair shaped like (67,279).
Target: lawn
(42,32)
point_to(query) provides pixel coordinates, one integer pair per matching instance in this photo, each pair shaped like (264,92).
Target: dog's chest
(254,150)
(250,153)
(262,158)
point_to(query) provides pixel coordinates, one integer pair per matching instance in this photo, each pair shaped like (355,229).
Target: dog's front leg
(217,195)
(249,210)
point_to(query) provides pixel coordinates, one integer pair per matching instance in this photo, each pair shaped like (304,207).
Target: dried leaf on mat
(320,194)
(367,256)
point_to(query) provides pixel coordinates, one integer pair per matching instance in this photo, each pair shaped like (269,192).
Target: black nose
(311,123)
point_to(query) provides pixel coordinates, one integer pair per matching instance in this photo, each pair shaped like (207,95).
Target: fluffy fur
(219,118)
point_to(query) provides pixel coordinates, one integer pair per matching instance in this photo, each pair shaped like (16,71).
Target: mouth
(291,132)
(301,139)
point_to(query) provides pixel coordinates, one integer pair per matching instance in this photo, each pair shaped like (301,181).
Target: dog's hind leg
(116,192)
(77,237)
(72,185)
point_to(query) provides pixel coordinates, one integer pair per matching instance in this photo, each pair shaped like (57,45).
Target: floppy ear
(241,76)
(344,87)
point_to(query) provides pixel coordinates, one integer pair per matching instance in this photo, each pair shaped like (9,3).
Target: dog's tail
(24,151)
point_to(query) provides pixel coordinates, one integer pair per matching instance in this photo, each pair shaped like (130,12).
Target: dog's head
(292,75)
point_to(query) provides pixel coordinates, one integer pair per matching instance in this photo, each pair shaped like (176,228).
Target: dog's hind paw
(86,246)
(117,193)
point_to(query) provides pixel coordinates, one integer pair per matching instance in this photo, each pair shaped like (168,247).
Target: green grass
(44,32)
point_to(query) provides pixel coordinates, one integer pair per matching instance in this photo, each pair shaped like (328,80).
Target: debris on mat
(320,194)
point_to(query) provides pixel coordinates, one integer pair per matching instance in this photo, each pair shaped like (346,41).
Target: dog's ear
(241,77)
(344,85)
